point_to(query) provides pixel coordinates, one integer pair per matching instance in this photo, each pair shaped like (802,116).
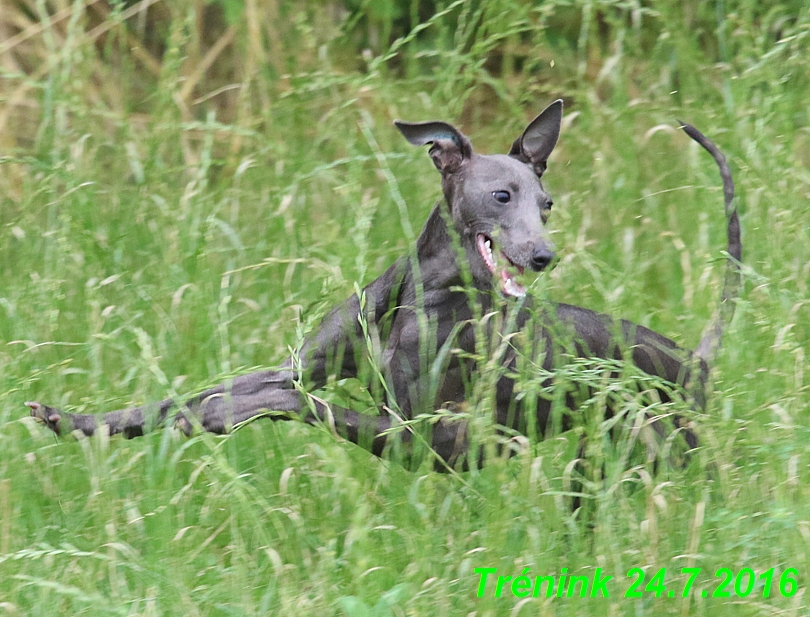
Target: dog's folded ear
(538,140)
(450,147)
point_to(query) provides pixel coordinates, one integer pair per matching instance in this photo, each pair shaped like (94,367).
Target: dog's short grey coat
(490,225)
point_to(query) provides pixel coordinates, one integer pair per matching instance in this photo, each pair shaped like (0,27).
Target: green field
(187,187)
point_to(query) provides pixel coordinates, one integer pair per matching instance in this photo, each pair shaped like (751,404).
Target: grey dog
(419,324)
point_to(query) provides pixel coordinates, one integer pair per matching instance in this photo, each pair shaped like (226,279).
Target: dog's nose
(541,258)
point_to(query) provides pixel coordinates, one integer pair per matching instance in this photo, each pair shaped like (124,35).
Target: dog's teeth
(513,289)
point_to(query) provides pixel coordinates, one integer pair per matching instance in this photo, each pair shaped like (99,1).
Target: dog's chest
(418,338)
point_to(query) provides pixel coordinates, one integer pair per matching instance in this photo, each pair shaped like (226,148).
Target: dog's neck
(440,251)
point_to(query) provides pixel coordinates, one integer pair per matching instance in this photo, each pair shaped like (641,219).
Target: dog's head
(497,202)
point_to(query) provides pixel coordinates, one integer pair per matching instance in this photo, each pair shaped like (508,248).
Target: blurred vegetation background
(187,186)
(151,61)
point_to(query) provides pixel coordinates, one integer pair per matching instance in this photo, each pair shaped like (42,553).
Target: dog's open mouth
(509,286)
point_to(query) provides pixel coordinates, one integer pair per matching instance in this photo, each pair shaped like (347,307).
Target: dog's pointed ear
(538,140)
(449,146)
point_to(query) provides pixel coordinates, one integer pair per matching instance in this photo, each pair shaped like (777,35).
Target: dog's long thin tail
(713,334)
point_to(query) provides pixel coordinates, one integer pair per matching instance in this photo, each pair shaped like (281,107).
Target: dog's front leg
(331,349)
(131,422)
(217,409)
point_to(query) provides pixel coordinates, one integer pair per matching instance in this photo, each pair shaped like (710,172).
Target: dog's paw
(183,423)
(49,416)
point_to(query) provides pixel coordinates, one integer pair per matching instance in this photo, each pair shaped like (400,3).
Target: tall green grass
(152,246)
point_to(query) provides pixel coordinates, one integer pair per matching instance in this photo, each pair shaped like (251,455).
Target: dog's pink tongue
(510,286)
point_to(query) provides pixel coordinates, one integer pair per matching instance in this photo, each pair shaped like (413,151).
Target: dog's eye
(502,197)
